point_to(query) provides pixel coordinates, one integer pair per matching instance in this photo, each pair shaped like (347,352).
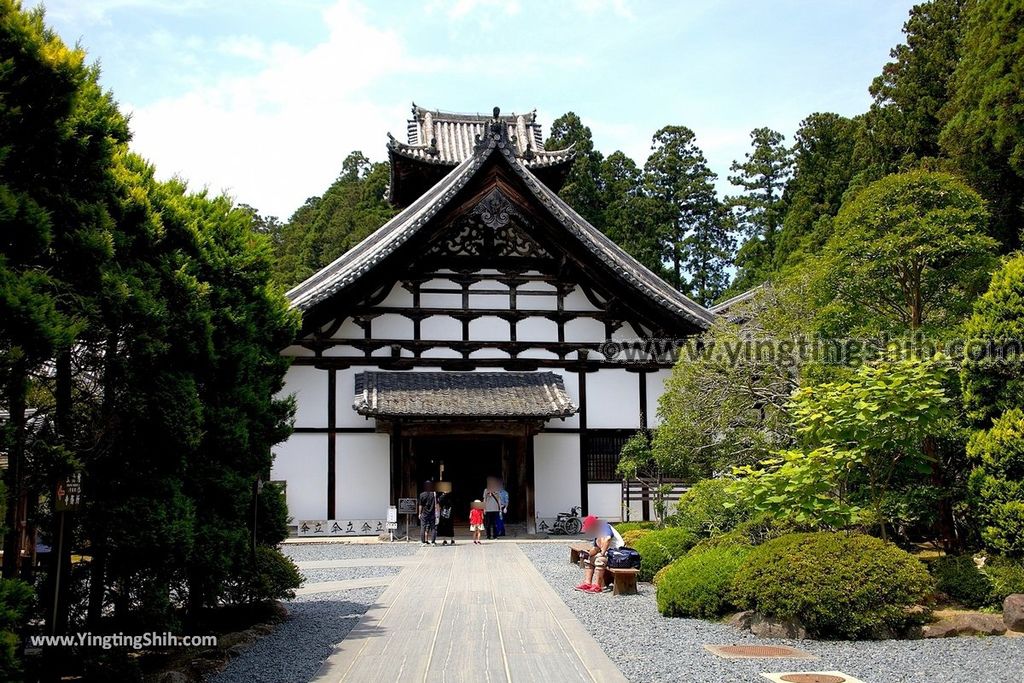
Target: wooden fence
(649,493)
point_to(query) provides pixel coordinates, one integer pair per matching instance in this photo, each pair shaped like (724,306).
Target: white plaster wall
(613,399)
(310,388)
(490,328)
(441,327)
(302,462)
(584,330)
(343,350)
(297,351)
(556,473)
(605,501)
(538,353)
(363,480)
(489,301)
(625,333)
(655,388)
(532,301)
(488,284)
(489,352)
(349,330)
(398,297)
(441,352)
(576,300)
(537,329)
(391,326)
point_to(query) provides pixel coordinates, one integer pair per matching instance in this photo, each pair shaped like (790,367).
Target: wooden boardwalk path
(469,613)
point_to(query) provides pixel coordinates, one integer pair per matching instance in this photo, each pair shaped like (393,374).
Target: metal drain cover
(812,677)
(758,652)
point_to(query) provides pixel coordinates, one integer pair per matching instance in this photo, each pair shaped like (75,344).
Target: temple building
(487,329)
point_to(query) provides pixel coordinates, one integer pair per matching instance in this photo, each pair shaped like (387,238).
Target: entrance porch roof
(494,395)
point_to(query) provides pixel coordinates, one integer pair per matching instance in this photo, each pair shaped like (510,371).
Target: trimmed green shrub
(959,578)
(625,527)
(699,583)
(275,576)
(708,508)
(658,548)
(838,585)
(1006,575)
(630,537)
(660,574)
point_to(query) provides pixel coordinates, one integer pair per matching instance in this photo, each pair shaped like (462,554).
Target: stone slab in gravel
(649,648)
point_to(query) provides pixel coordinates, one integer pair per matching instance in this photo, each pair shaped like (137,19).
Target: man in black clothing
(428,513)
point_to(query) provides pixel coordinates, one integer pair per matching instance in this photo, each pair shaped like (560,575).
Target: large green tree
(910,250)
(903,124)
(582,189)
(692,227)
(759,208)
(629,213)
(984,131)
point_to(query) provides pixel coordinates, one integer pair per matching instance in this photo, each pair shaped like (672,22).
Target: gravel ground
(648,647)
(345,573)
(297,647)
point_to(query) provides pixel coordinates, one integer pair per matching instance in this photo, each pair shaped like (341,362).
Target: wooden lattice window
(603,448)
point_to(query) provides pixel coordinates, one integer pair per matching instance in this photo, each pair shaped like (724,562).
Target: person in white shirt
(595,561)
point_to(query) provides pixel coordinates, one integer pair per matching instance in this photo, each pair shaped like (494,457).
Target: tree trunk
(17,391)
(60,562)
(945,528)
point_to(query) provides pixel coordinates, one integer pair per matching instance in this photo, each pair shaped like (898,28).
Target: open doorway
(465,462)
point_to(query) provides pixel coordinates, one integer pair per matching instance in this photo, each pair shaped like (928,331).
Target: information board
(407,506)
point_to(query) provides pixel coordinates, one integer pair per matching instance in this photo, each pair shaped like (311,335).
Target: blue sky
(263,99)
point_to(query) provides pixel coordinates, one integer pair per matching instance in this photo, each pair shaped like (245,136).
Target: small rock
(236,650)
(766,627)
(174,677)
(966,624)
(741,620)
(1013,612)
(229,640)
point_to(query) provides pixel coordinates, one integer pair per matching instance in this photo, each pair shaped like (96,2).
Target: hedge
(658,548)
(699,584)
(959,578)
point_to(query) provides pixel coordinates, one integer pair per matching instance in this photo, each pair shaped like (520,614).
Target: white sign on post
(392,522)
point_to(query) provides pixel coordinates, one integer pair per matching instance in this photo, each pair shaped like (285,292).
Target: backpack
(623,558)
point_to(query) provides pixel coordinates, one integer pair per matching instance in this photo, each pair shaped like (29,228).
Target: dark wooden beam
(332,441)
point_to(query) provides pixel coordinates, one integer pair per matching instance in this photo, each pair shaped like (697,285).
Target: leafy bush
(275,576)
(1006,575)
(660,574)
(630,537)
(625,527)
(709,508)
(658,548)
(959,578)
(15,601)
(698,584)
(837,585)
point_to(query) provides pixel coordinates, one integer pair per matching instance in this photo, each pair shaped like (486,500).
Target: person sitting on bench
(596,559)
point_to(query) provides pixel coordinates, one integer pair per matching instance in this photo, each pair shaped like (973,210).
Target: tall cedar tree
(628,212)
(903,124)
(984,133)
(691,220)
(823,166)
(759,210)
(582,188)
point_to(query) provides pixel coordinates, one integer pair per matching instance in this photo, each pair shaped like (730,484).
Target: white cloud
(619,8)
(274,137)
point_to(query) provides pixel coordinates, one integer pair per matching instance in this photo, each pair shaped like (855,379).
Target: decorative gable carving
(492,229)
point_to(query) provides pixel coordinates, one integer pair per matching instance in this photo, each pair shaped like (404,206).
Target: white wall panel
(537,329)
(489,328)
(576,300)
(536,302)
(655,388)
(297,351)
(391,326)
(556,467)
(343,350)
(441,352)
(489,352)
(605,501)
(613,400)
(363,483)
(432,300)
(398,297)
(441,327)
(302,462)
(584,330)
(488,284)
(310,388)
(489,301)
(349,330)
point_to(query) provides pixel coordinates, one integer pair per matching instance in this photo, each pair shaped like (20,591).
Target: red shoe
(594,588)
(583,587)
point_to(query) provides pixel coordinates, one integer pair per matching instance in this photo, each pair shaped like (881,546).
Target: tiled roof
(538,395)
(448,139)
(364,256)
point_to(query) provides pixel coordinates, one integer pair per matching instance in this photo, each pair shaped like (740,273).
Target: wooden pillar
(397,464)
(332,441)
(409,483)
(528,483)
(523,484)
(584,479)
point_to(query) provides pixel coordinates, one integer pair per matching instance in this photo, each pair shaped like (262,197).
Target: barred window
(602,448)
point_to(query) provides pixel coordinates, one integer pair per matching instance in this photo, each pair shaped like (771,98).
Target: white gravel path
(648,647)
